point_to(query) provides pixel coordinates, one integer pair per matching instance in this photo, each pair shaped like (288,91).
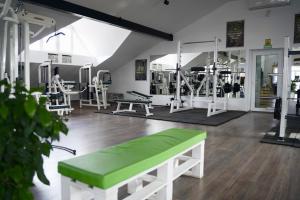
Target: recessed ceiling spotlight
(166,2)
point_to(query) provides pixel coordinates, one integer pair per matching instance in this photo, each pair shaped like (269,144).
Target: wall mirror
(198,69)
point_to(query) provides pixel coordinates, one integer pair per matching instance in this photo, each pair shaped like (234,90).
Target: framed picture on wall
(141,70)
(235,34)
(297,29)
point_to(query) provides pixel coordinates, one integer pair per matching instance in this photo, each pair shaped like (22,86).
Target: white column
(286,86)
(26,55)
(4,50)
(178,67)
(13,52)
(215,71)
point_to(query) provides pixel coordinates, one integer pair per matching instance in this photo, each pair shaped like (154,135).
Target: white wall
(272,23)
(77,60)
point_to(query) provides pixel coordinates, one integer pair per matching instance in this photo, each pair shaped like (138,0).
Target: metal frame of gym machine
(281,137)
(55,88)
(24,18)
(13,41)
(286,88)
(94,83)
(212,105)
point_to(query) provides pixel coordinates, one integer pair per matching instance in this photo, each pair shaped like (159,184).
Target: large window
(84,37)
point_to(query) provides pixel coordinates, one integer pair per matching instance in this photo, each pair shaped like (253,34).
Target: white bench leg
(147,111)
(198,153)
(135,186)
(65,188)
(118,108)
(109,194)
(165,173)
(130,107)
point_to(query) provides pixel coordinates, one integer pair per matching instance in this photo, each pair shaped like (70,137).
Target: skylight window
(85,37)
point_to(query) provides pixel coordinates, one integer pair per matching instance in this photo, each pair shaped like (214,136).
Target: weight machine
(12,19)
(57,91)
(176,102)
(206,79)
(96,87)
(281,106)
(286,88)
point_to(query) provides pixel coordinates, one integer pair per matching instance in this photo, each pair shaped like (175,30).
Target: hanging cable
(55,34)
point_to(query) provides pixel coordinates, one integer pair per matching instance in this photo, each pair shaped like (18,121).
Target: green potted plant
(293,87)
(27,131)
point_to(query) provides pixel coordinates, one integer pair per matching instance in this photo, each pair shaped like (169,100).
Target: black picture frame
(235,34)
(297,29)
(141,70)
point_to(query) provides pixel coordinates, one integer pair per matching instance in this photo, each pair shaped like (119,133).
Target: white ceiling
(62,19)
(153,13)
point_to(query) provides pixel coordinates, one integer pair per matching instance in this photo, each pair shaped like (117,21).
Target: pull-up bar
(201,42)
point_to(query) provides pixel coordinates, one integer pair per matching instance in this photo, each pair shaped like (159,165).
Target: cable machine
(12,19)
(96,87)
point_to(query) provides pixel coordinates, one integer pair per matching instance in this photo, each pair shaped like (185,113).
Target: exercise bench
(141,96)
(157,159)
(146,104)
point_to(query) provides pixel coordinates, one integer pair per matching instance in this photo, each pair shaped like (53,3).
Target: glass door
(267,79)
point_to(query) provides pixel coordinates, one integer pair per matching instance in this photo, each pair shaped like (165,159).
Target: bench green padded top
(110,166)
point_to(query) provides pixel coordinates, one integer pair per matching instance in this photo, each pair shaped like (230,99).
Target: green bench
(99,175)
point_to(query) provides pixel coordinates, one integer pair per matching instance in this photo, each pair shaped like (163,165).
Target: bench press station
(142,99)
(99,175)
(141,96)
(146,104)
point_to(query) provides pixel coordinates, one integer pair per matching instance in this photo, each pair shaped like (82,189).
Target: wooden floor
(237,166)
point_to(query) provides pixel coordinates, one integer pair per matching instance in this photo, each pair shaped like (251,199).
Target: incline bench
(141,96)
(99,175)
(145,103)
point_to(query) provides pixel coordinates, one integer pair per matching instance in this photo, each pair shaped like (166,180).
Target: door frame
(255,53)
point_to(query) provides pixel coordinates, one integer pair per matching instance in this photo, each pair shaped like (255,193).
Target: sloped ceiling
(134,44)
(153,13)
(62,19)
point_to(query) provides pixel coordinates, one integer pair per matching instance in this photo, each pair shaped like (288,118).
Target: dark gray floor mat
(194,116)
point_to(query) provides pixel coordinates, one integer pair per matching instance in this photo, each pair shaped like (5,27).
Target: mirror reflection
(198,70)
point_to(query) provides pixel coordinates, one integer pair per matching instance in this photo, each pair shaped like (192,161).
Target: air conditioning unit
(260,4)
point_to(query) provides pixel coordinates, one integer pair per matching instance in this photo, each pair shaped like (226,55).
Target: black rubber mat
(293,126)
(292,142)
(194,116)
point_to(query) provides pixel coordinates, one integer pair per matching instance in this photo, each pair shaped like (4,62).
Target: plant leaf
(25,194)
(42,177)
(4,112)
(45,117)
(30,106)
(46,148)
(16,174)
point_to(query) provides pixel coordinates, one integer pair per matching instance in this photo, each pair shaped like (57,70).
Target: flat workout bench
(99,175)
(138,94)
(144,103)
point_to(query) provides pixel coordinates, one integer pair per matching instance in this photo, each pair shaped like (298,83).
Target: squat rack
(212,105)
(286,88)
(281,109)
